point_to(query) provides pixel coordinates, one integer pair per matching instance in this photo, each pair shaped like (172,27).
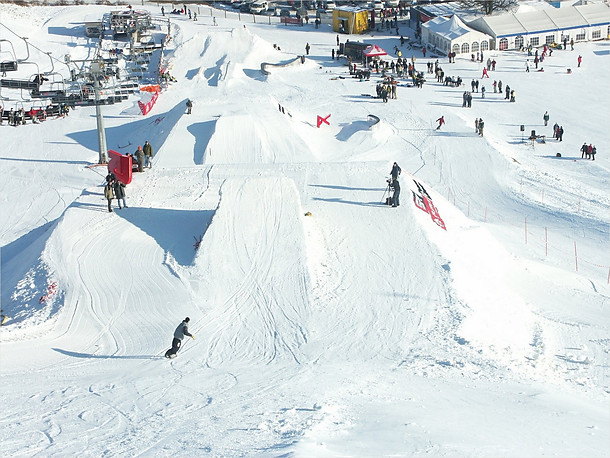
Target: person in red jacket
(440,121)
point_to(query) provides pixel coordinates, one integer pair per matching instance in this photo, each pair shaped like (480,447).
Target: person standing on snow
(189,106)
(119,193)
(560,134)
(307,48)
(148,154)
(395,173)
(181,331)
(109,193)
(140,158)
(579,61)
(555,129)
(440,121)
(396,196)
(546,117)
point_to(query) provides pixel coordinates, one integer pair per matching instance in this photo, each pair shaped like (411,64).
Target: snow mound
(253,272)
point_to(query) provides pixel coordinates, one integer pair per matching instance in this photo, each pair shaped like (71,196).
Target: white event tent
(451,34)
(547,26)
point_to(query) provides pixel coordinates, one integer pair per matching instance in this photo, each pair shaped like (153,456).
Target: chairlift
(8,65)
(12,64)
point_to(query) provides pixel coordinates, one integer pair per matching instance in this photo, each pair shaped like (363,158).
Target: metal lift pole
(96,70)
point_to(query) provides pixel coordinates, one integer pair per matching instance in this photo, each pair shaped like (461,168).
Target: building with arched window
(451,34)
(546,26)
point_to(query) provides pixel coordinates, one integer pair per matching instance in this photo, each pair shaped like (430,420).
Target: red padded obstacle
(120,165)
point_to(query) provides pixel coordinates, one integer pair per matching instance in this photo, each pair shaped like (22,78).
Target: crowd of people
(588,151)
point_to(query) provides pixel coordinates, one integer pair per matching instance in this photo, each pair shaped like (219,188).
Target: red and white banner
(146,107)
(423,201)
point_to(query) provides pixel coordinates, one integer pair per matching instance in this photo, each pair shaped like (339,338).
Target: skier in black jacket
(181,331)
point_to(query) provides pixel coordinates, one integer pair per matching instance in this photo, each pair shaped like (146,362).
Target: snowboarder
(545,117)
(148,154)
(440,121)
(181,331)
(189,106)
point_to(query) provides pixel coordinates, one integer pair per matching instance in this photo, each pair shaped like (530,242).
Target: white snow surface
(327,324)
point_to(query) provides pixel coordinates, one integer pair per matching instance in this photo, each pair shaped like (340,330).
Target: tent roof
(450,28)
(550,19)
(373,51)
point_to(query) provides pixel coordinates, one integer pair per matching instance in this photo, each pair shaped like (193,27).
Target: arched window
(503,44)
(465,48)
(484,45)
(475,46)
(518,42)
(456,48)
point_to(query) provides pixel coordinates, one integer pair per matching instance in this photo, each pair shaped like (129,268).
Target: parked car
(271,11)
(244,8)
(285,12)
(392,3)
(258,7)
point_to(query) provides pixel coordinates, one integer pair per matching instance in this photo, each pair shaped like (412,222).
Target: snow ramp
(247,138)
(252,274)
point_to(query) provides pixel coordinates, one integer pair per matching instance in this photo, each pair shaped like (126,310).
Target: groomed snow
(326,323)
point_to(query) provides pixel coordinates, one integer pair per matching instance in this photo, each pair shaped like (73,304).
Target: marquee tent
(451,34)
(547,26)
(374,51)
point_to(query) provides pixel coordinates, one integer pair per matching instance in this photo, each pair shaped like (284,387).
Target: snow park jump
(326,323)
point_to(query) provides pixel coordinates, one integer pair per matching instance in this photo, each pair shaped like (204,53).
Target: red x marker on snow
(321,120)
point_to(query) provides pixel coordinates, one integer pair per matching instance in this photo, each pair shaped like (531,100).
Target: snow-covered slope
(326,323)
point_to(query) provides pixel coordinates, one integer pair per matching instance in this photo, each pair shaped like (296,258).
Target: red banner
(146,107)
(423,201)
